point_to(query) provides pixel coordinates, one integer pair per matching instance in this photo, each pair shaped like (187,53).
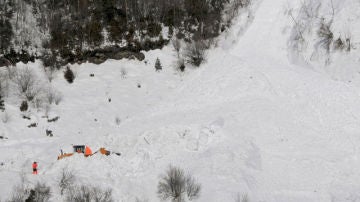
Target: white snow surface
(248,121)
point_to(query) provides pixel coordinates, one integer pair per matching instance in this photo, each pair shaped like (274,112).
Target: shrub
(53,96)
(117,120)
(348,44)
(177,46)
(53,119)
(69,75)
(88,194)
(32,125)
(5,117)
(180,65)
(325,34)
(40,193)
(2,105)
(19,194)
(192,188)
(158,66)
(24,106)
(242,198)
(50,73)
(174,185)
(49,133)
(101,196)
(66,180)
(123,73)
(27,83)
(141,200)
(339,44)
(195,53)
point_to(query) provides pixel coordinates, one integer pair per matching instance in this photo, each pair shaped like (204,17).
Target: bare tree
(192,188)
(242,198)
(66,180)
(88,194)
(53,96)
(174,185)
(325,34)
(195,53)
(40,193)
(177,46)
(27,83)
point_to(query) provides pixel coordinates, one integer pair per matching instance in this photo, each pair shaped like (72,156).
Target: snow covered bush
(303,23)
(325,34)
(27,83)
(177,46)
(50,73)
(117,120)
(5,117)
(232,10)
(19,194)
(40,193)
(195,53)
(141,200)
(123,73)
(24,106)
(100,195)
(88,194)
(180,65)
(66,180)
(192,188)
(53,96)
(174,185)
(69,75)
(242,198)
(2,90)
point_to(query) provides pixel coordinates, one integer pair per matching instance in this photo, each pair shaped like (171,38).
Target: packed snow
(251,121)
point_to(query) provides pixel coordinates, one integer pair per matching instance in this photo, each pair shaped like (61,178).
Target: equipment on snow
(86,150)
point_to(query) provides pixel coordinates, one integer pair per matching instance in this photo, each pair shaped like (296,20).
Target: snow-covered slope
(248,121)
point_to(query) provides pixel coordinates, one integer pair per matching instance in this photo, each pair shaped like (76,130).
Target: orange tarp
(103,151)
(65,155)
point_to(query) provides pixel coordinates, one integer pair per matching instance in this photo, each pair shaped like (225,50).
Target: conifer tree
(69,75)
(2,105)
(158,66)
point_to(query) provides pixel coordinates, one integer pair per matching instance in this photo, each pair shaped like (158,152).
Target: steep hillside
(251,121)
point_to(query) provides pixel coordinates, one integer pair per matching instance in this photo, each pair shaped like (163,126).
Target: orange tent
(88,151)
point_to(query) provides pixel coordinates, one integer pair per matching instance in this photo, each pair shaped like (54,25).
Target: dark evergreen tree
(24,106)
(2,105)
(158,66)
(78,27)
(69,75)
(6,31)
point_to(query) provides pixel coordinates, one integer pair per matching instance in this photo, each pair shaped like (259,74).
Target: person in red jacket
(34,166)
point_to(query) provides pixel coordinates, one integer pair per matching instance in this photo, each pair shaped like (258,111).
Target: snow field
(247,122)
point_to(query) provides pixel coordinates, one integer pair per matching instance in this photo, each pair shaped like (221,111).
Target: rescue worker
(34,166)
(88,151)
